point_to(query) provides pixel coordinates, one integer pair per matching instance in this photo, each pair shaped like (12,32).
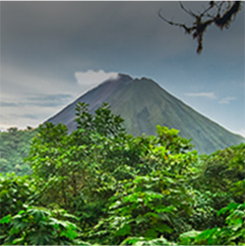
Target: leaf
(5,219)
(79,242)
(18,241)
(123,231)
(69,233)
(132,240)
(38,237)
(190,234)
(141,241)
(151,233)
(163,209)
(164,228)
(151,214)
(231,206)
(205,235)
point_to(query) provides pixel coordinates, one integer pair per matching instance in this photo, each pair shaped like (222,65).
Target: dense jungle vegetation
(15,146)
(100,186)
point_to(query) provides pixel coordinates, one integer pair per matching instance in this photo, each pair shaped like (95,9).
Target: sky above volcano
(52,52)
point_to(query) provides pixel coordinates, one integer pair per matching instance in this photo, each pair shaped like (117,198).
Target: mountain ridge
(144,104)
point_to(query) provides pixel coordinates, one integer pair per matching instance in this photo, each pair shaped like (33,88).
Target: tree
(151,198)
(84,172)
(16,192)
(14,147)
(220,13)
(40,226)
(100,185)
(70,168)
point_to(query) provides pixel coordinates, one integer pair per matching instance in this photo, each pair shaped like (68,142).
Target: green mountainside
(143,104)
(15,146)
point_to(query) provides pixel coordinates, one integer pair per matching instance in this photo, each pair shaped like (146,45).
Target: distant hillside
(15,146)
(144,104)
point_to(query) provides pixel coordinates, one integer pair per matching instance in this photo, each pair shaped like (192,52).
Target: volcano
(143,104)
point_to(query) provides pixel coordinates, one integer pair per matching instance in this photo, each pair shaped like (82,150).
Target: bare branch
(223,17)
(187,29)
(226,18)
(189,12)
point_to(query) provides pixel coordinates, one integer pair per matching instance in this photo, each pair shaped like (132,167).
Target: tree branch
(223,17)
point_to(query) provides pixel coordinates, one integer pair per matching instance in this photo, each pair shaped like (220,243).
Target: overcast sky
(52,52)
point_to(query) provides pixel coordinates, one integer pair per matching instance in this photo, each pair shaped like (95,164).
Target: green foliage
(103,122)
(145,206)
(140,241)
(230,160)
(102,186)
(70,165)
(147,200)
(40,226)
(15,146)
(232,233)
(15,193)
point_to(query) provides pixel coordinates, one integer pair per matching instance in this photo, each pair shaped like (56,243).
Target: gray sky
(52,52)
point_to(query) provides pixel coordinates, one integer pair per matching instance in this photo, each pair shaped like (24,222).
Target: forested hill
(101,186)
(15,146)
(144,104)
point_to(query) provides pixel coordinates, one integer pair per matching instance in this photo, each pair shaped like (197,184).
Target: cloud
(50,100)
(25,94)
(30,116)
(16,81)
(8,104)
(93,78)
(41,100)
(209,95)
(227,100)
